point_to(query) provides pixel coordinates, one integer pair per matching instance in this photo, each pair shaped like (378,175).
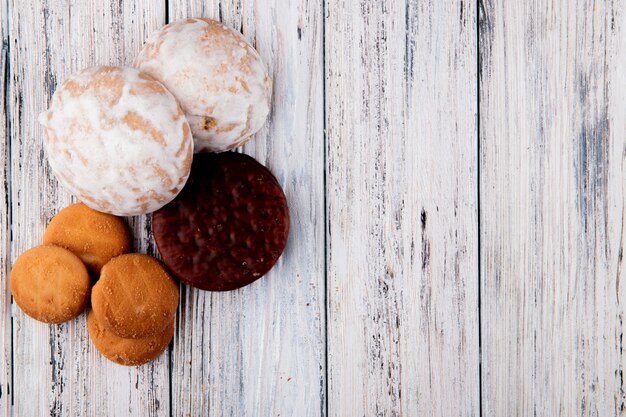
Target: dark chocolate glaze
(227,227)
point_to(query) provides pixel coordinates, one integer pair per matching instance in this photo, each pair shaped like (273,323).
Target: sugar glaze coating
(117,140)
(217,77)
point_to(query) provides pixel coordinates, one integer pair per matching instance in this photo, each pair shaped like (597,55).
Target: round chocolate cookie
(227,227)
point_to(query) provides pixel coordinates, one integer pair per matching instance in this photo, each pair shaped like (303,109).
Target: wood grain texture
(5,226)
(553,198)
(402,208)
(260,351)
(378,289)
(58,371)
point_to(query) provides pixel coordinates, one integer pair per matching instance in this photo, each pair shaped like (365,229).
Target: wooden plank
(56,369)
(261,350)
(553,201)
(6,387)
(402,208)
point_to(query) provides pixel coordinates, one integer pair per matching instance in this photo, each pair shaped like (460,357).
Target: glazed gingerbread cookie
(217,77)
(135,297)
(128,352)
(93,236)
(50,284)
(118,140)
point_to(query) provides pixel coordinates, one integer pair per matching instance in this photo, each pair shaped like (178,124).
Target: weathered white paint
(260,351)
(5,297)
(402,208)
(56,369)
(553,198)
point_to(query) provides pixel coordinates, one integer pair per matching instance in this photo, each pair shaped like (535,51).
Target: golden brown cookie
(93,236)
(135,297)
(50,284)
(128,352)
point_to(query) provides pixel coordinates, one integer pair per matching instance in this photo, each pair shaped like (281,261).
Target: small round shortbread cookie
(50,284)
(135,297)
(216,75)
(117,140)
(93,236)
(127,352)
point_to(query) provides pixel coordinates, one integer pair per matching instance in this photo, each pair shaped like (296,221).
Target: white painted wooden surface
(260,351)
(457,214)
(5,297)
(402,208)
(56,371)
(553,197)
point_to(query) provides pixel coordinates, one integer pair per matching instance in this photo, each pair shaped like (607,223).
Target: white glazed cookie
(117,139)
(217,77)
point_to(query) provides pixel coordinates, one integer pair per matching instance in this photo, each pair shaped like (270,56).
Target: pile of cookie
(122,140)
(130,322)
